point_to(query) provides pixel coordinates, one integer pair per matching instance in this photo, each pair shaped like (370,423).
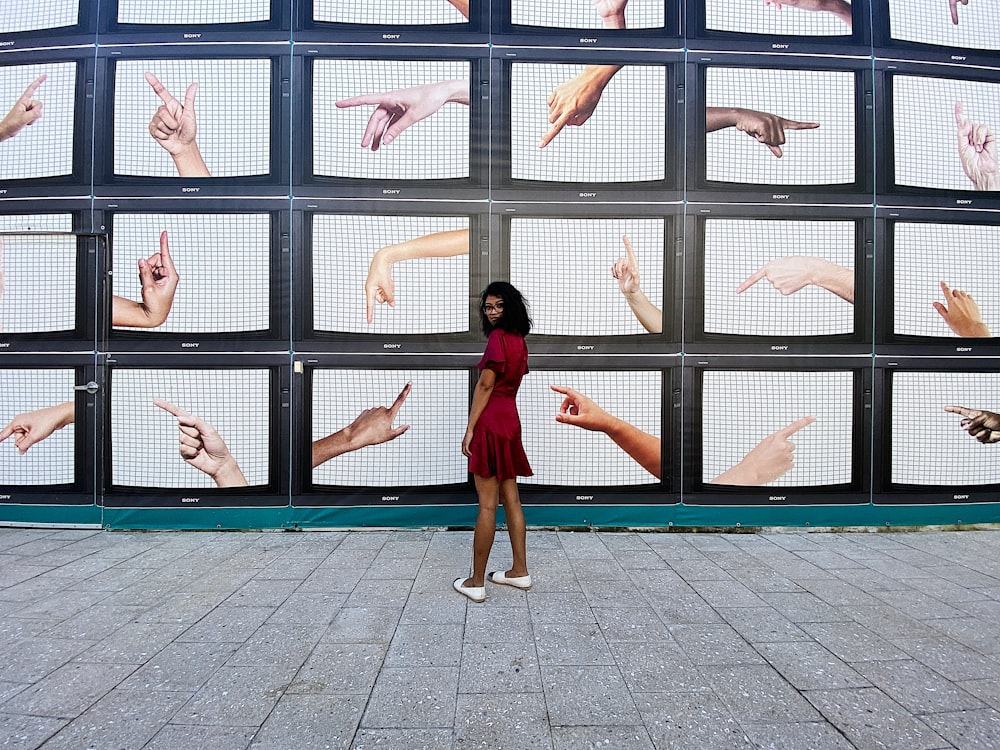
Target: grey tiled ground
(632,641)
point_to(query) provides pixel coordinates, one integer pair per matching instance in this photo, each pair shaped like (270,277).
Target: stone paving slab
(339,640)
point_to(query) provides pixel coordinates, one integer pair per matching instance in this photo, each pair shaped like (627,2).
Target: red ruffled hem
(495,456)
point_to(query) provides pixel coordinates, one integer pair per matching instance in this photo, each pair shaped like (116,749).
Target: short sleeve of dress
(495,356)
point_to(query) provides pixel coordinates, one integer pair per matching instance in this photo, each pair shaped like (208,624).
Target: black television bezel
(90,243)
(275,338)
(888,192)
(857,492)
(274,494)
(697,341)
(83,490)
(506,33)
(78,182)
(886,340)
(668,190)
(84,31)
(310,31)
(887,47)
(669,340)
(700,189)
(474,187)
(885,491)
(481,269)
(858,42)
(275,184)
(111,31)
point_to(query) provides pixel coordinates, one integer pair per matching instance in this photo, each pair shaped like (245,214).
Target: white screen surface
(33,299)
(930,22)
(44,148)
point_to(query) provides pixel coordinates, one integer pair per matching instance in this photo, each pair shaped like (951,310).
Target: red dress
(496,439)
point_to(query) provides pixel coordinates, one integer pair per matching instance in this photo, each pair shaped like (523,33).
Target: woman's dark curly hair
(515,311)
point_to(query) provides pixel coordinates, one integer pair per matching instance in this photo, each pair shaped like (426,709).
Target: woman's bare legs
(515,528)
(488,489)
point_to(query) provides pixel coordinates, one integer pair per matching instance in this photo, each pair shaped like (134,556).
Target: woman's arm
(480,397)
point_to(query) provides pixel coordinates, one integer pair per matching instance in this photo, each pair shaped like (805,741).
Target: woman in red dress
(493,438)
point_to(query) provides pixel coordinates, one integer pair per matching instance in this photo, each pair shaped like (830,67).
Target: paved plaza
(631,641)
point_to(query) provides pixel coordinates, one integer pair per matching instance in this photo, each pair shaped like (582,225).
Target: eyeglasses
(498,307)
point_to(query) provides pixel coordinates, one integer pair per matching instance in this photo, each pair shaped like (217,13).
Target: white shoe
(520,582)
(475,593)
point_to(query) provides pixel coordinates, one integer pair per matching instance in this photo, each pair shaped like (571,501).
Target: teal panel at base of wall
(464,516)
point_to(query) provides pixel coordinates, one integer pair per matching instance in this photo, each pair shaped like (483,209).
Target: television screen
(939,287)
(779,277)
(364,127)
(204,273)
(30,398)
(33,297)
(929,445)
(958,23)
(220,418)
(193,12)
(423,421)
(775,19)
(36,136)
(390,274)
(593,406)
(773,126)
(604,288)
(224,125)
(38,15)
(941,131)
(622,141)
(391,13)
(586,14)
(777,428)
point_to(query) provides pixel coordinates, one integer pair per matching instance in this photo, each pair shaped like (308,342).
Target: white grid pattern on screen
(586,301)
(145,439)
(435,148)
(429,453)
(957,254)
(45,148)
(223,261)
(757,17)
(821,156)
(193,11)
(50,461)
(432,294)
(929,447)
(925,135)
(929,22)
(741,408)
(736,248)
(623,141)
(33,299)
(233,107)
(562,454)
(34,15)
(580,14)
(387,12)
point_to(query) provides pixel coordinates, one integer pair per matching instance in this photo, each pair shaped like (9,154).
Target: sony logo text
(961,497)
(391,192)
(584,497)
(189,345)
(780,46)
(392,346)
(779,348)
(192,36)
(588,40)
(585,347)
(190,190)
(190,499)
(963,348)
(588,195)
(777,498)
(389,498)
(391,36)
(780,196)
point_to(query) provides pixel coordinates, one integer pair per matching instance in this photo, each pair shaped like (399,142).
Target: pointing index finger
(171,408)
(159,89)
(798,424)
(629,251)
(962,410)
(398,403)
(756,276)
(796,125)
(29,93)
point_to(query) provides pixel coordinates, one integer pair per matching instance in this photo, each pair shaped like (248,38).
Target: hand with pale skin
(34,426)
(838,8)
(762,126)
(462,6)
(769,459)
(977,148)
(26,111)
(175,127)
(953,7)
(371,427)
(395,111)
(626,271)
(158,278)
(961,313)
(204,448)
(612,13)
(380,288)
(794,272)
(983,425)
(581,411)
(573,102)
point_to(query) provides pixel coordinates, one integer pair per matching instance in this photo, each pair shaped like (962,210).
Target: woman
(493,438)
